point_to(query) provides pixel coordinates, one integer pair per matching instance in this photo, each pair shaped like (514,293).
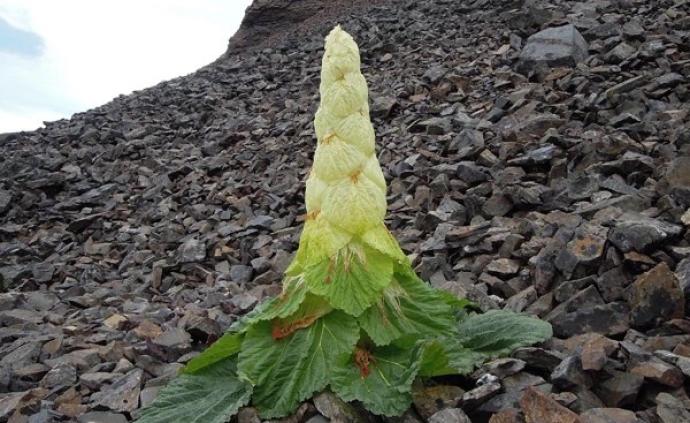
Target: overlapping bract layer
(353,316)
(345,191)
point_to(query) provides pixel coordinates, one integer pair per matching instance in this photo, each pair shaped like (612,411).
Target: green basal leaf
(227,346)
(498,332)
(408,306)
(285,304)
(445,356)
(289,370)
(353,279)
(458,304)
(211,395)
(381,378)
(313,308)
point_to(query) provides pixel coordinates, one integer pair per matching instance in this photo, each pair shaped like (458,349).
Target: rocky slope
(539,171)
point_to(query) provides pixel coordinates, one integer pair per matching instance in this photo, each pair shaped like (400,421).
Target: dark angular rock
(539,358)
(433,126)
(468,143)
(620,390)
(569,373)
(102,417)
(671,409)
(383,106)
(660,372)
(479,395)
(450,415)
(539,407)
(621,52)
(332,407)
(123,394)
(636,232)
(241,273)
(678,178)
(5,200)
(430,400)
(192,251)
(608,415)
(559,46)
(656,297)
(607,319)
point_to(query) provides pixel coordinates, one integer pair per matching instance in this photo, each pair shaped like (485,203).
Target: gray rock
(559,46)
(43,272)
(468,143)
(332,407)
(633,29)
(637,232)
(192,251)
(683,275)
(428,400)
(5,200)
(435,73)
(656,297)
(382,106)
(581,187)
(175,341)
(678,179)
(244,301)
(539,358)
(94,380)
(450,415)
(123,394)
(240,273)
(607,319)
(59,376)
(101,417)
(569,374)
(479,395)
(608,415)
(620,390)
(433,126)
(471,173)
(9,402)
(621,52)
(671,409)
(503,267)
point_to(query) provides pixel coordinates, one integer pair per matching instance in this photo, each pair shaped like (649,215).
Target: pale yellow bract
(345,191)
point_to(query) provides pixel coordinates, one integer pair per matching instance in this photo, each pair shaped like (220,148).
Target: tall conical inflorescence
(352,315)
(345,191)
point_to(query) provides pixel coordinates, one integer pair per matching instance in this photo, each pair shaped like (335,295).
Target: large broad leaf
(211,395)
(353,279)
(458,304)
(381,378)
(313,308)
(445,356)
(289,370)
(408,306)
(285,304)
(227,346)
(498,332)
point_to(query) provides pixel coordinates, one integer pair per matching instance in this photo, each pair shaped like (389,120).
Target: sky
(59,57)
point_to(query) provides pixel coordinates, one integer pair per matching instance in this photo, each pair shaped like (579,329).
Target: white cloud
(26,118)
(96,50)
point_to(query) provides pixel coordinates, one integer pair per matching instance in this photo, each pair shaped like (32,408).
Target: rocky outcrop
(267,22)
